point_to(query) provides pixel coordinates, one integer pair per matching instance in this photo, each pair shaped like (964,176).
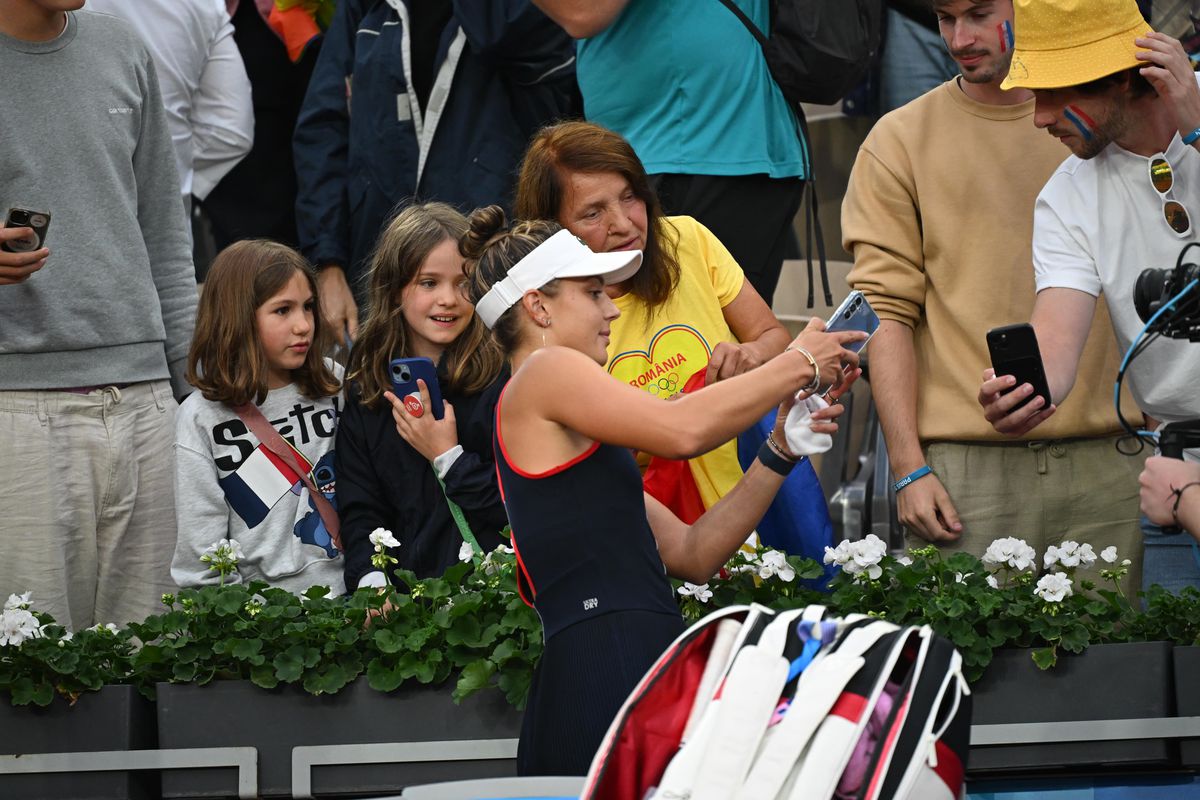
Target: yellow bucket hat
(1068,42)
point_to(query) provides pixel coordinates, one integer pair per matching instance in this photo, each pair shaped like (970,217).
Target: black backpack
(817,51)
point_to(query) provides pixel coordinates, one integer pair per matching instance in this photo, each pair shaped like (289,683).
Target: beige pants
(1044,492)
(87,515)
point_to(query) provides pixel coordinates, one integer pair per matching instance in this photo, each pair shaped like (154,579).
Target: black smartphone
(404,373)
(39,221)
(1014,350)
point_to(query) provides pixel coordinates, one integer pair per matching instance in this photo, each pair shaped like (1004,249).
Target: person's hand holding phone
(1004,406)
(829,350)
(17,267)
(416,424)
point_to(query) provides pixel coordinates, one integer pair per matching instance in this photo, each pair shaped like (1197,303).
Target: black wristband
(773,461)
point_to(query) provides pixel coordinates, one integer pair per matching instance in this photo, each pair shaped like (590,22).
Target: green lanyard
(460,519)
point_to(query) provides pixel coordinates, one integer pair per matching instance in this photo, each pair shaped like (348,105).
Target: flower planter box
(1187,699)
(237,713)
(114,718)
(1108,681)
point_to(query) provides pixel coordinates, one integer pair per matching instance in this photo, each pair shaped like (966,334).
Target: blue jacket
(503,69)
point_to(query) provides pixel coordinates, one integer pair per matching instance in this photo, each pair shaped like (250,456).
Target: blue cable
(1129,355)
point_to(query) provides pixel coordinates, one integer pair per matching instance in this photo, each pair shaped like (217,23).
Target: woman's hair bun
(485,224)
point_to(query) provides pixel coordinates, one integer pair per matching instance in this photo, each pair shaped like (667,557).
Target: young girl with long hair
(402,472)
(593,550)
(256,364)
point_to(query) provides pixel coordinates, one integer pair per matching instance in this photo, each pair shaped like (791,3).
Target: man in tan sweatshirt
(939,218)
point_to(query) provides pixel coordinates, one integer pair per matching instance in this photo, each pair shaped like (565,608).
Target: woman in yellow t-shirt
(688,310)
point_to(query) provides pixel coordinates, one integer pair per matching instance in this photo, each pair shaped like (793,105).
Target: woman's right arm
(568,388)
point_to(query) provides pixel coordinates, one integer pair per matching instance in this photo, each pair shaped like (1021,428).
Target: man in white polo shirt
(1125,100)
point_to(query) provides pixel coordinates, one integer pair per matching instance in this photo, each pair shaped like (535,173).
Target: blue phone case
(854,314)
(404,373)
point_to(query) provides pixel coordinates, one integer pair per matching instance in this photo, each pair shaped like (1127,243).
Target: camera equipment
(1154,291)
(1168,301)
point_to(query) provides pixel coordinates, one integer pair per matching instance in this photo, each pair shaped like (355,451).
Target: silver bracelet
(815,383)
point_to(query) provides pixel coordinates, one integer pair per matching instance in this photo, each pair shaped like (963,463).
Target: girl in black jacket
(391,465)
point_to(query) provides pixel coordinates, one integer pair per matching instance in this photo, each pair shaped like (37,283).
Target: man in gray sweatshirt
(94,328)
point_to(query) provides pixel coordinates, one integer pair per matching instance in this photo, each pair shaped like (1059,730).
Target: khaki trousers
(87,515)
(1044,492)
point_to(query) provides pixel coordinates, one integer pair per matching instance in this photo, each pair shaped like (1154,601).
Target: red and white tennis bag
(752,704)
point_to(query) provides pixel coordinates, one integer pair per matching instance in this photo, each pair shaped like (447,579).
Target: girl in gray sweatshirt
(257,350)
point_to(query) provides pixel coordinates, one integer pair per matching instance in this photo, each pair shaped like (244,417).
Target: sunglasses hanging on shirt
(1162,178)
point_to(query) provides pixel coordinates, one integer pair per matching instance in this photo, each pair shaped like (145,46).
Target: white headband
(563,255)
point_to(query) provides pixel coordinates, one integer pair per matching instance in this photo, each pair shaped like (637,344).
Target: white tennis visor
(563,255)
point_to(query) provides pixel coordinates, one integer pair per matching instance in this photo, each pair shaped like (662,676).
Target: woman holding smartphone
(593,550)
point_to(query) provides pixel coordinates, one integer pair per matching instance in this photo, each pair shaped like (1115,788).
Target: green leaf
(388,642)
(465,630)
(383,678)
(246,649)
(475,676)
(289,664)
(1045,657)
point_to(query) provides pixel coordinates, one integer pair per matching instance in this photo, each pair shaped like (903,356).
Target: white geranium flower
(466,552)
(992,582)
(1054,587)
(1109,554)
(701,592)
(17,601)
(107,627)
(1010,552)
(1070,555)
(17,625)
(866,555)
(381,538)
(960,577)
(904,560)
(775,563)
(840,555)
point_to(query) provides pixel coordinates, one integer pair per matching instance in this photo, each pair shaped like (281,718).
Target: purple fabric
(860,761)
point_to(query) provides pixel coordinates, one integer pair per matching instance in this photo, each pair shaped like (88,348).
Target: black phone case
(1014,351)
(15,220)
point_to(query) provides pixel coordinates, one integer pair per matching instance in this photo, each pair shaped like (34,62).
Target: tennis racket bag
(748,703)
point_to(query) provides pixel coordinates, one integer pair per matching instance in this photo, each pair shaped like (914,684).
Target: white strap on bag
(820,686)
(719,659)
(821,766)
(748,700)
(813,613)
(818,689)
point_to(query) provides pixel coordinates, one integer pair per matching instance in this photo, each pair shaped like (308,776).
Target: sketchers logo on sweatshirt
(120,110)
(303,424)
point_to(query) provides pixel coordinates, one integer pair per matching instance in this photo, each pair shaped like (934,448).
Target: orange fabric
(295,27)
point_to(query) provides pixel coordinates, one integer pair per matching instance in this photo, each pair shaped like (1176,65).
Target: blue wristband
(1192,137)
(910,477)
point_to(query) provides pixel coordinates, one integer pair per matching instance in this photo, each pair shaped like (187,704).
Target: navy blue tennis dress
(591,569)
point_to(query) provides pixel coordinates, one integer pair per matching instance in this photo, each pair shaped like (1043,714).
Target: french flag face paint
(1085,124)
(1005,32)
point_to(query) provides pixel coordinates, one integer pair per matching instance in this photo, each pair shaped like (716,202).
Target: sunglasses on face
(1163,180)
